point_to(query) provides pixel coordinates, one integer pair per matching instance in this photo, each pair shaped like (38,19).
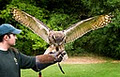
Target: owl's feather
(79,29)
(31,22)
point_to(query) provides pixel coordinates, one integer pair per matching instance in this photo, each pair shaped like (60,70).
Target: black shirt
(11,62)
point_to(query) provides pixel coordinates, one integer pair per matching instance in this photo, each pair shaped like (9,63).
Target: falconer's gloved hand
(42,61)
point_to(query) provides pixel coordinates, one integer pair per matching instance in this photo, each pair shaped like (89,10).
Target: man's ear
(6,37)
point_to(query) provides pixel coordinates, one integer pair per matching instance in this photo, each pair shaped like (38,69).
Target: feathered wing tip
(31,22)
(79,29)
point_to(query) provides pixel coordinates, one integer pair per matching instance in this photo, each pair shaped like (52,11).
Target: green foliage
(59,15)
(28,42)
(57,21)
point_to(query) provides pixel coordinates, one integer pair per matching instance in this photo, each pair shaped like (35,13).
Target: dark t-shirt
(11,62)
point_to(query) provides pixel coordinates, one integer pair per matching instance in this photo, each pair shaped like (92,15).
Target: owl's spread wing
(79,29)
(31,22)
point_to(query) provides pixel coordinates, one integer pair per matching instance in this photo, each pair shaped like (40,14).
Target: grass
(107,69)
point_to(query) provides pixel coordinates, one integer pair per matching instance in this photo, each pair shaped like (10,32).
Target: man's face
(12,39)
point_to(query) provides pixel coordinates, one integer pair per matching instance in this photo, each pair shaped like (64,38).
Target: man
(11,61)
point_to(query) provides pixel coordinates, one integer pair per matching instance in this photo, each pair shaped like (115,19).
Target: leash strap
(40,74)
(61,68)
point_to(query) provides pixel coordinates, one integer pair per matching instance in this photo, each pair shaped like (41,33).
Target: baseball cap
(8,28)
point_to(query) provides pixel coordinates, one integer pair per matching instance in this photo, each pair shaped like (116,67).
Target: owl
(58,39)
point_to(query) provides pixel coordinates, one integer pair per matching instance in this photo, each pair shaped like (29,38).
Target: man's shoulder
(13,49)
(14,52)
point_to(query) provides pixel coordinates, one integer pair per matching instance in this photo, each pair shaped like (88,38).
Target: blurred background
(59,15)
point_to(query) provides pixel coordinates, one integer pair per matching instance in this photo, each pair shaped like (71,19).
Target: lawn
(107,69)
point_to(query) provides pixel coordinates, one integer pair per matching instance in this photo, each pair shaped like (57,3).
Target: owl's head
(57,38)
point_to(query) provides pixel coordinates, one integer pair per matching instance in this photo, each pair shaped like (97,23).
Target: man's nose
(15,37)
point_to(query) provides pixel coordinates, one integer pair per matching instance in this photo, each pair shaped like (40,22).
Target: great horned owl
(57,39)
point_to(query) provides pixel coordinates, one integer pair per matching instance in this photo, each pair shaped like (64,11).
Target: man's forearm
(41,66)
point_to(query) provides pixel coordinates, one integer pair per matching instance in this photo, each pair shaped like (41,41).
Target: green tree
(59,15)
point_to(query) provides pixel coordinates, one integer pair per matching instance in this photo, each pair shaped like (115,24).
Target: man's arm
(43,61)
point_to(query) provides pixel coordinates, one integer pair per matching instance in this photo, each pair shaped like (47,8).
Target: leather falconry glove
(42,61)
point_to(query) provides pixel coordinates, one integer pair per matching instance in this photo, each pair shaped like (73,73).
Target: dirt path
(84,60)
